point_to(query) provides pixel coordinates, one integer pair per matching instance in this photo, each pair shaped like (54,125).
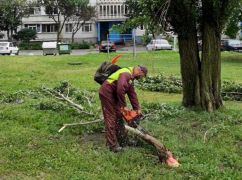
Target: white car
(8,48)
(157,44)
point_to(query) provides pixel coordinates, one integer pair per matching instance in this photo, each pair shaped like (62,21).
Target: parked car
(8,48)
(231,45)
(158,44)
(106,46)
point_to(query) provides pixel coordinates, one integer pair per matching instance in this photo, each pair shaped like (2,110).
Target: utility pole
(134,47)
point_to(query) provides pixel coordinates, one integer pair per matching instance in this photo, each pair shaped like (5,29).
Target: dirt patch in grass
(96,138)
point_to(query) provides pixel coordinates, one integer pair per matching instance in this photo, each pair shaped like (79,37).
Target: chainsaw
(133,118)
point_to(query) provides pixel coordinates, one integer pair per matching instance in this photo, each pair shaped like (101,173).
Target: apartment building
(109,13)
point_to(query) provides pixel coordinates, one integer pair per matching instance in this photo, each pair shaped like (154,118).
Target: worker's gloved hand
(139,112)
(131,117)
(124,110)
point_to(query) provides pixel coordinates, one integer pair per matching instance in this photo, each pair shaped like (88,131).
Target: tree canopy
(63,11)
(201,74)
(11,13)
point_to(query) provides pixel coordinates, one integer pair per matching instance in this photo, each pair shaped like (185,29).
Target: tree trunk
(211,69)
(8,34)
(72,37)
(190,65)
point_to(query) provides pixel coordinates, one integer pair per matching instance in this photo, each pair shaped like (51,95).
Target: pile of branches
(82,101)
(161,83)
(232,91)
(171,84)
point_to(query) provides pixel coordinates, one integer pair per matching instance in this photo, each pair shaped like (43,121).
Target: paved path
(83,51)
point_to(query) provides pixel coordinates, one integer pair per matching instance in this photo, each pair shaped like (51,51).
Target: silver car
(158,44)
(8,48)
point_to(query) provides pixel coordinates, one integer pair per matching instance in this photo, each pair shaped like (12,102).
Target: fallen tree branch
(80,123)
(163,153)
(61,96)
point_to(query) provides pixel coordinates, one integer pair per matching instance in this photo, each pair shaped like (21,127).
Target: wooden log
(163,153)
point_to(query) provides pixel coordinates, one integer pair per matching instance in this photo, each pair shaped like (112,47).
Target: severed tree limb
(80,123)
(163,153)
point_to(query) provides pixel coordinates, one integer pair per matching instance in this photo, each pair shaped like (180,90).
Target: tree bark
(190,67)
(211,69)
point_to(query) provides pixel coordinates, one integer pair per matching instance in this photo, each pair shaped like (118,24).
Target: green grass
(31,148)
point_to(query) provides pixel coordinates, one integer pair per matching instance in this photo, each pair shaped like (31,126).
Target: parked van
(8,48)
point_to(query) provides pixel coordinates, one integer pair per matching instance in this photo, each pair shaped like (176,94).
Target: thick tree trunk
(211,69)
(190,65)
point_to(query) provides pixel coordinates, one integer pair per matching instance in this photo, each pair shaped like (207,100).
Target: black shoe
(132,142)
(116,149)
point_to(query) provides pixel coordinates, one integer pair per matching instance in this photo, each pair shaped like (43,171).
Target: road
(84,51)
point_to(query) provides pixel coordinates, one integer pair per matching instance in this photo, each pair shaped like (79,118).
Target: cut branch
(80,123)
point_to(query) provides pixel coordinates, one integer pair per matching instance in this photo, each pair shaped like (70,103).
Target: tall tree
(11,13)
(61,11)
(84,13)
(233,25)
(201,76)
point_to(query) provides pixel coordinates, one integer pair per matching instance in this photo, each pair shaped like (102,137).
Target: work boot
(129,142)
(116,149)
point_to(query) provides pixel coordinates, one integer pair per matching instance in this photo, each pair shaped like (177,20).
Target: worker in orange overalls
(112,95)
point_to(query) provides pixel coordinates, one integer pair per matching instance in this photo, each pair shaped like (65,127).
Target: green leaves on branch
(172,84)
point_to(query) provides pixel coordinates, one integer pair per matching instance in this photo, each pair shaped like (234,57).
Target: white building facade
(109,12)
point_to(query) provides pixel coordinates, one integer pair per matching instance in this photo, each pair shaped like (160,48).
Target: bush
(30,46)
(83,45)
(26,35)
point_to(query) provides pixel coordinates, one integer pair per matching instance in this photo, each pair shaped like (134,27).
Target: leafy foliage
(172,84)
(11,14)
(232,26)
(161,83)
(83,45)
(26,35)
(30,46)
(232,91)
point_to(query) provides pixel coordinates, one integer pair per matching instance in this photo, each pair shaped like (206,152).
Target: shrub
(26,35)
(30,46)
(83,45)
(171,84)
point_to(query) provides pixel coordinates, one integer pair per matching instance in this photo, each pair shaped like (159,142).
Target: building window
(119,12)
(115,10)
(69,27)
(35,27)
(108,14)
(35,11)
(49,27)
(87,27)
(101,11)
(104,10)
(51,10)
(111,8)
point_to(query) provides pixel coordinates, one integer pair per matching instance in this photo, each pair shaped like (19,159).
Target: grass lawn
(31,147)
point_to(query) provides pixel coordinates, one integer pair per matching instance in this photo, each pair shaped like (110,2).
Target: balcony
(111,10)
